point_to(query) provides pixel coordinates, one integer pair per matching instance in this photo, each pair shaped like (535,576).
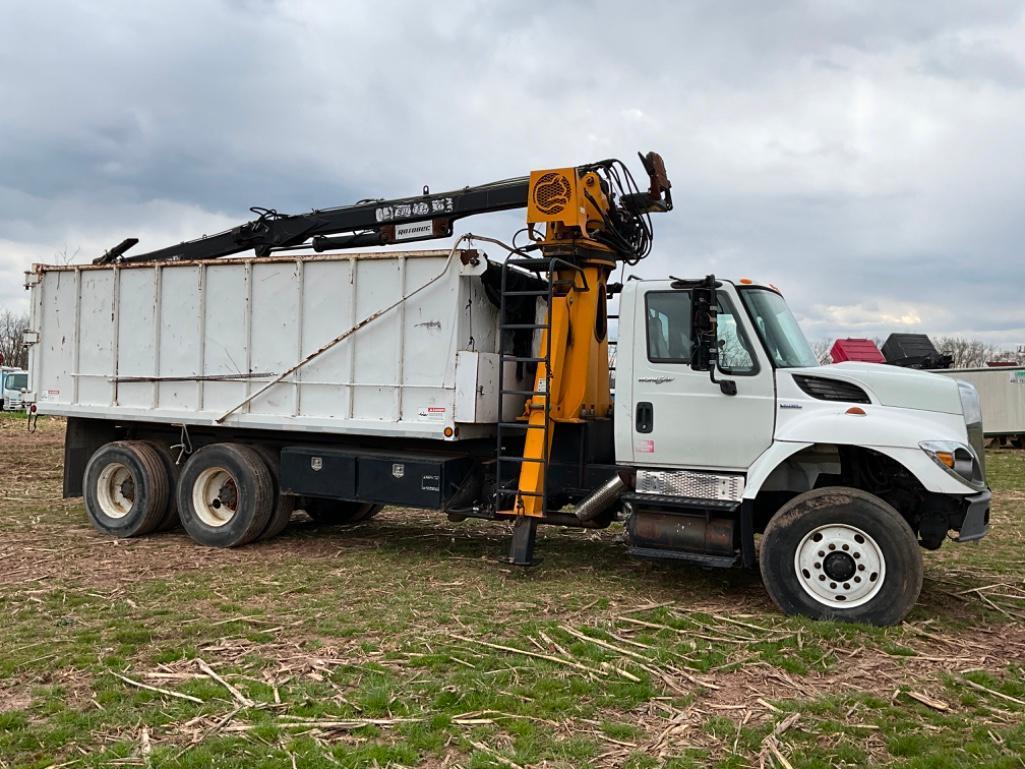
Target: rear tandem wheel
(336,512)
(284,504)
(225,495)
(170,518)
(126,489)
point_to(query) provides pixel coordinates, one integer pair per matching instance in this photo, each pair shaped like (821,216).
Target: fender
(890,431)
(769,460)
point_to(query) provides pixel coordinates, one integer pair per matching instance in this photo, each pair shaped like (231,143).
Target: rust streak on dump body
(207,378)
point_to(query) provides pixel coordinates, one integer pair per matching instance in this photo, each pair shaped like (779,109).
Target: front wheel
(844,554)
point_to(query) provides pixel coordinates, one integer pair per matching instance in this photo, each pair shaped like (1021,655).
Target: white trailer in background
(1002,393)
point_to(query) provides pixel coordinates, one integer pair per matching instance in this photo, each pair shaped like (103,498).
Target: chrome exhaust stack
(601,499)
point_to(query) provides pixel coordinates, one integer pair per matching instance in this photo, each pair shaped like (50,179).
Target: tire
(284,504)
(170,519)
(843,554)
(126,489)
(335,512)
(225,495)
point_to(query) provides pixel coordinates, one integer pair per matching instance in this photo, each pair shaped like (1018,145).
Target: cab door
(681,418)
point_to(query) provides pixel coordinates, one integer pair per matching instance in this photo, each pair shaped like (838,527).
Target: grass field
(402,642)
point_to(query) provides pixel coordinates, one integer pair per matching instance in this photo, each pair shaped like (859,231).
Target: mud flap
(976,518)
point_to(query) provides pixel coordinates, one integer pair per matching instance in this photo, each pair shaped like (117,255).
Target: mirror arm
(726,386)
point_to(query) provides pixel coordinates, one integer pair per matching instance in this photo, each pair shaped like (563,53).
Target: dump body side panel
(199,343)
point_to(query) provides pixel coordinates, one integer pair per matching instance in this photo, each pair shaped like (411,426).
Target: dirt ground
(403,642)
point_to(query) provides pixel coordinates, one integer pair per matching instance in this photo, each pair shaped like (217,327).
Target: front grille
(690,484)
(831,389)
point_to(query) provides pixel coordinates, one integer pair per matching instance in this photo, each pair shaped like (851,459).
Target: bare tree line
(12,331)
(974,353)
(14,325)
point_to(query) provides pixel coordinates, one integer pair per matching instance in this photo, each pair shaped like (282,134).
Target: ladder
(509,465)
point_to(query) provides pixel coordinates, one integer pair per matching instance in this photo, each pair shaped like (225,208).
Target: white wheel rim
(215,496)
(840,566)
(115,490)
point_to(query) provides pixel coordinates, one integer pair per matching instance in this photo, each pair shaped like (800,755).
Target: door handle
(645,417)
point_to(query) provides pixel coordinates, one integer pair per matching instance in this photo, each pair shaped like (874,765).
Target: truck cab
(841,468)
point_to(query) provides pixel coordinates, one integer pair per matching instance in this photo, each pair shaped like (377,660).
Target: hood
(895,386)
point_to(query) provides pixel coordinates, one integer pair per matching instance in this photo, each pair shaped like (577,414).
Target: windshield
(16,382)
(777,328)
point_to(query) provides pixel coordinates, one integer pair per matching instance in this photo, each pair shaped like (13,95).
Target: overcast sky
(867,160)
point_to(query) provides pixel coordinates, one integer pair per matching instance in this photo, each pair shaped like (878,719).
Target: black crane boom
(370,223)
(382,222)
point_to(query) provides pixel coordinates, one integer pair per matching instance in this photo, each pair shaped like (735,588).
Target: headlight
(957,459)
(970,404)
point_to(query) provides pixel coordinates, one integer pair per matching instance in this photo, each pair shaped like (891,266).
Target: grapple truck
(224,392)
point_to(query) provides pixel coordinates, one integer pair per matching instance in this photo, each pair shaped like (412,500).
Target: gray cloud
(863,157)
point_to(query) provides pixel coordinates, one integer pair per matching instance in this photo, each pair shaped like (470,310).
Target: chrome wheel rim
(115,490)
(215,497)
(840,566)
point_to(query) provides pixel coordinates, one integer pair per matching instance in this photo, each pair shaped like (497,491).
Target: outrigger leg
(521,549)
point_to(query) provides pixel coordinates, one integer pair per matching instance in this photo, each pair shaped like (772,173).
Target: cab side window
(668,321)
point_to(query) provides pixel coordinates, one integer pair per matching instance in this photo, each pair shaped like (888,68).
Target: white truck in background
(13,385)
(225,392)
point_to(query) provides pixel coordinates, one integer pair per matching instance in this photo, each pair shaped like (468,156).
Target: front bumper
(976,517)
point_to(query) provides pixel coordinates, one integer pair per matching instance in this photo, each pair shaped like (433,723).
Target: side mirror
(703,324)
(704,337)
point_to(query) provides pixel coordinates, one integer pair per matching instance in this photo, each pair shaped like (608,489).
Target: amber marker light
(856,411)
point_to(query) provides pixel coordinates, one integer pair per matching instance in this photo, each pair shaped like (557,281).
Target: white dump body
(190,342)
(1002,394)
